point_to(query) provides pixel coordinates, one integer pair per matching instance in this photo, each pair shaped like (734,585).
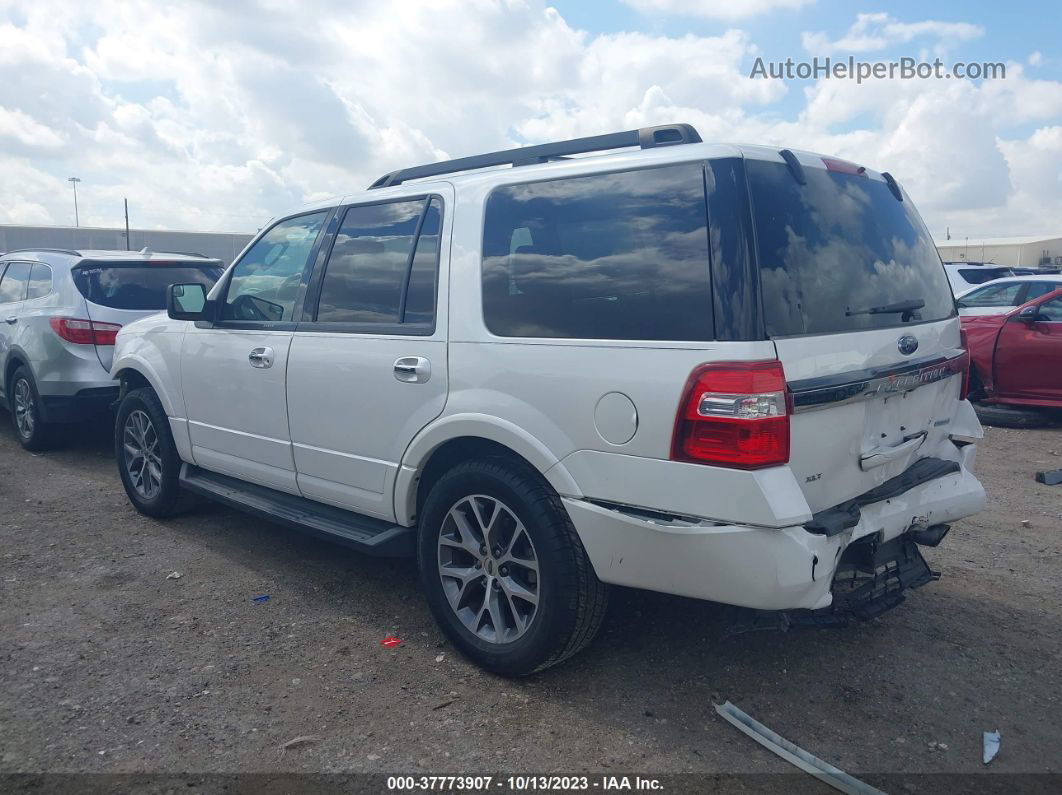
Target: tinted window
(610,256)
(40,283)
(993,295)
(982,275)
(139,286)
(265,282)
(837,246)
(375,252)
(14,282)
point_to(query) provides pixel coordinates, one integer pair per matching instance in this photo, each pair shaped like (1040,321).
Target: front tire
(147,456)
(505,573)
(33,433)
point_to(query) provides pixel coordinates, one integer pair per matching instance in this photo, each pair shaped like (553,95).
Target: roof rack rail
(50,250)
(646,138)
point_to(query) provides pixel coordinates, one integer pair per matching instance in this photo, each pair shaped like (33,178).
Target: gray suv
(59,313)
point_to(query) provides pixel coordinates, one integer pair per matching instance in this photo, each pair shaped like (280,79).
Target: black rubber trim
(839,518)
(363,533)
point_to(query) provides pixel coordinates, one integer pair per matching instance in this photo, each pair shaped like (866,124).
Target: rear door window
(609,256)
(138,285)
(383,266)
(14,283)
(40,282)
(835,248)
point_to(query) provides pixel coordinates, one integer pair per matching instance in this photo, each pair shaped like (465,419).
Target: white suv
(730,373)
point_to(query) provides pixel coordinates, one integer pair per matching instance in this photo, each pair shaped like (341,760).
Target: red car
(1016,358)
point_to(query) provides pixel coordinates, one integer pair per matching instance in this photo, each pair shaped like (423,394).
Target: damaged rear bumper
(778,569)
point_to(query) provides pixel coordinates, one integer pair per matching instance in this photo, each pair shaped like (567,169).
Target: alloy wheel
(143,462)
(25,417)
(489,569)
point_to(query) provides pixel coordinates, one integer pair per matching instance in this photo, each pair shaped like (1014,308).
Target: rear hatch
(858,305)
(118,292)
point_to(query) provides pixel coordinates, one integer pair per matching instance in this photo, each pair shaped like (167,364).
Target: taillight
(964,390)
(85,332)
(734,414)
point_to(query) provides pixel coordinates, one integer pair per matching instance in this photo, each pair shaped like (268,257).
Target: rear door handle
(412,369)
(261,357)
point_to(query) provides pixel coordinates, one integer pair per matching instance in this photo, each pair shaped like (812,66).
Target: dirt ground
(110,666)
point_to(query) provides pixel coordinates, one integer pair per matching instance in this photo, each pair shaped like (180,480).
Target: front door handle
(261,357)
(412,369)
(11,320)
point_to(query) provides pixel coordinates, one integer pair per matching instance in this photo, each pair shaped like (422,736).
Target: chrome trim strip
(817,393)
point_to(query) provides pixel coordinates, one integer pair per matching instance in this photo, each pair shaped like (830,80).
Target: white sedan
(1002,295)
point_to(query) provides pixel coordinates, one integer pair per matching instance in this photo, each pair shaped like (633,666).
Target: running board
(363,533)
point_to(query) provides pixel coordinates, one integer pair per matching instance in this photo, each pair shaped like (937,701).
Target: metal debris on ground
(259,599)
(1050,477)
(390,642)
(303,739)
(793,753)
(991,746)
(174,575)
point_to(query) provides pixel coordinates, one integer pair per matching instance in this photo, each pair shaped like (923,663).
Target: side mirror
(186,302)
(1029,314)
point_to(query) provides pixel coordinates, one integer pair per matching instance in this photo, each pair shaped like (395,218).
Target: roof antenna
(146,252)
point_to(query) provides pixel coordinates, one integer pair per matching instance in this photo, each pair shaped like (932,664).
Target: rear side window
(14,282)
(610,256)
(839,246)
(383,265)
(40,282)
(993,295)
(138,285)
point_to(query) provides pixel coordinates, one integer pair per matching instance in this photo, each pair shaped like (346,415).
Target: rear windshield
(982,275)
(837,247)
(138,286)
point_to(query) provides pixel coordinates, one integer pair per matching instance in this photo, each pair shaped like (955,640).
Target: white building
(1029,251)
(223,245)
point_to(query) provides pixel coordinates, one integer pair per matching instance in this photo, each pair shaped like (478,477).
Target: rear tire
(33,433)
(521,596)
(147,456)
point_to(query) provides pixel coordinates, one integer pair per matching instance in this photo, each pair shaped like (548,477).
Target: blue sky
(212,115)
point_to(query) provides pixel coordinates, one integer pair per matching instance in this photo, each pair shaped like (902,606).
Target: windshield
(139,286)
(841,253)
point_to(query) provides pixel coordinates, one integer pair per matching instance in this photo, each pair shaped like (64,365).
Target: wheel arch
(133,373)
(447,442)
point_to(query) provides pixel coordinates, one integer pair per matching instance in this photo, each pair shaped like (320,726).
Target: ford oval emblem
(907,344)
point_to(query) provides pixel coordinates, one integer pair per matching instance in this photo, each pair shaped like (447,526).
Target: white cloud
(732,10)
(872,32)
(217,116)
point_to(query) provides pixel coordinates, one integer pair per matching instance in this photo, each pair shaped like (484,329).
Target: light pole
(73,181)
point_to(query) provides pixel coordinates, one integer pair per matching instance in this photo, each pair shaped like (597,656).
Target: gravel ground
(110,666)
